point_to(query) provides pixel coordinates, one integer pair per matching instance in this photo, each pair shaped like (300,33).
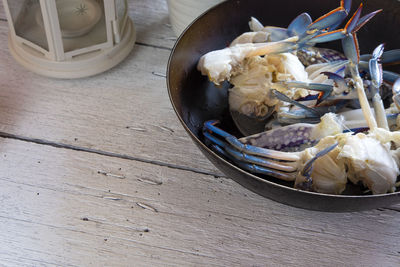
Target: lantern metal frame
(77,63)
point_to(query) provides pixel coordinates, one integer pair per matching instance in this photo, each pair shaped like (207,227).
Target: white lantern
(69,38)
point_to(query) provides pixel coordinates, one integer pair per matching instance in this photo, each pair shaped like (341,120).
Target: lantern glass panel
(82,23)
(27,19)
(121,6)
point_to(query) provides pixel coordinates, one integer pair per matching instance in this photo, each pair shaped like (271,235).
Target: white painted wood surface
(134,199)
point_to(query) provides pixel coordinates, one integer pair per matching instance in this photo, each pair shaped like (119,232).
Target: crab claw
(350,42)
(376,68)
(284,98)
(388,76)
(324,89)
(339,81)
(299,25)
(361,22)
(377,78)
(347,6)
(351,27)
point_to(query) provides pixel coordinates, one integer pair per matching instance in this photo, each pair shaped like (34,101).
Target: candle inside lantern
(76,17)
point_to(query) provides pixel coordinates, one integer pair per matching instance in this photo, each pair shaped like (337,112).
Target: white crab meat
(365,158)
(251,94)
(331,124)
(329,172)
(251,37)
(267,34)
(255,25)
(370,162)
(220,65)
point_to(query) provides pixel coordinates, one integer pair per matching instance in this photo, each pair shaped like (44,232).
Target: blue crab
(219,65)
(323,157)
(258,64)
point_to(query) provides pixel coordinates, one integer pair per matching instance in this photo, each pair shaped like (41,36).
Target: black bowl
(196,100)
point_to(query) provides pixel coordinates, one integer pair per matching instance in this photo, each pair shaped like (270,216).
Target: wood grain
(71,208)
(99,172)
(125,110)
(152,23)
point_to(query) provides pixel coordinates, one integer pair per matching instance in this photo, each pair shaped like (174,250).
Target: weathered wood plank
(2,12)
(152,22)
(71,208)
(150,19)
(125,110)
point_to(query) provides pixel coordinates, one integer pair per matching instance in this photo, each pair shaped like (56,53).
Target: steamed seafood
(335,148)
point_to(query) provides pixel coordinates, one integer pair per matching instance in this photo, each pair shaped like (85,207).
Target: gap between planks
(154,46)
(122,156)
(103,153)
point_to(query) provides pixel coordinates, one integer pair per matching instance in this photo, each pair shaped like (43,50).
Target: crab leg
(256,153)
(285,98)
(258,169)
(299,25)
(247,157)
(390,76)
(351,46)
(324,89)
(351,50)
(388,57)
(249,149)
(254,159)
(305,174)
(261,49)
(376,74)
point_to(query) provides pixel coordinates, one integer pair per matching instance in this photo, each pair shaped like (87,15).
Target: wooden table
(99,172)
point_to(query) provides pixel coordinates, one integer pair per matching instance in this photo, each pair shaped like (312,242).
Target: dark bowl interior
(196,100)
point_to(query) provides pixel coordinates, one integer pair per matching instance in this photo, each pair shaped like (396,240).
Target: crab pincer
(351,50)
(376,74)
